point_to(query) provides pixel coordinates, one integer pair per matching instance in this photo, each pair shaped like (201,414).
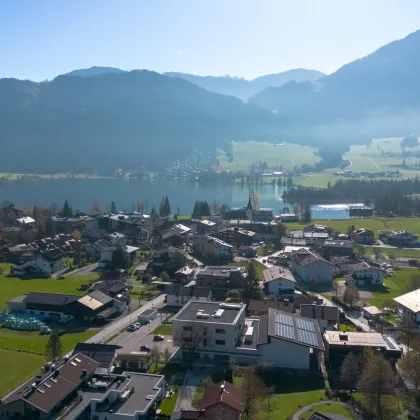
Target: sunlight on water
(334,207)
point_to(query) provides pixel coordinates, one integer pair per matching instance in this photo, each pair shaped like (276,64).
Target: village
(229,315)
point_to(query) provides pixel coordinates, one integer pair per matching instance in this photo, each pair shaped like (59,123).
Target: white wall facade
(276,286)
(316,272)
(42,264)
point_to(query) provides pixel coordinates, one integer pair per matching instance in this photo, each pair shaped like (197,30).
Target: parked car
(145,348)
(158,338)
(131,328)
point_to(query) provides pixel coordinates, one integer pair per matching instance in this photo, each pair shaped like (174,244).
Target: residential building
(290,341)
(317,228)
(279,281)
(263,215)
(50,390)
(27,221)
(338,344)
(205,227)
(178,296)
(9,214)
(365,274)
(326,316)
(221,278)
(247,251)
(48,262)
(364,236)
(103,354)
(173,238)
(160,258)
(238,213)
(222,401)
(184,275)
(209,329)
(310,267)
(288,217)
(116,238)
(94,305)
(235,236)
(409,305)
(206,245)
(261,307)
(338,248)
(400,238)
(94,250)
(370,312)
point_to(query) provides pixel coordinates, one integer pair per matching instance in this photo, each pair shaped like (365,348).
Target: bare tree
(377,380)
(166,355)
(254,390)
(155,355)
(189,337)
(351,295)
(351,370)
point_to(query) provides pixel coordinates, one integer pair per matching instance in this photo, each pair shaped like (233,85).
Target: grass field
(17,368)
(398,223)
(11,287)
(329,408)
(163,330)
(394,286)
(33,341)
(398,252)
(286,156)
(259,267)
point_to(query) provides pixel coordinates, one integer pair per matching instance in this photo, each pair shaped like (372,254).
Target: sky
(40,39)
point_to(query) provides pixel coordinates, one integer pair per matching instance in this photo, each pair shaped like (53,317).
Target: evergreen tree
(114,207)
(153,215)
(167,207)
(229,375)
(162,207)
(252,290)
(53,348)
(205,210)
(66,212)
(195,211)
(120,258)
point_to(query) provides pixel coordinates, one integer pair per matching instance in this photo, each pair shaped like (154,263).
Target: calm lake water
(81,193)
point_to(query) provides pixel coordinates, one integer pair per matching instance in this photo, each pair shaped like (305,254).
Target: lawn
(33,341)
(17,368)
(329,408)
(398,252)
(284,156)
(167,406)
(394,286)
(11,287)
(259,266)
(163,330)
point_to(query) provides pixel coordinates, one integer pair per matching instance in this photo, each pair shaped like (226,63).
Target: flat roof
(410,300)
(220,271)
(146,388)
(338,338)
(148,312)
(372,310)
(226,313)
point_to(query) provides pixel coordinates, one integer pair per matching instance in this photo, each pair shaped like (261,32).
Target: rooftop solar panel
(389,343)
(307,337)
(303,324)
(284,319)
(285,331)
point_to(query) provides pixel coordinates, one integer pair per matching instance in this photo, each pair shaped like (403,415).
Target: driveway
(124,322)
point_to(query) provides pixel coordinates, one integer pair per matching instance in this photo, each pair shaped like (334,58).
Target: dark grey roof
(194,291)
(220,271)
(227,316)
(56,299)
(100,353)
(53,254)
(263,305)
(327,416)
(294,328)
(329,313)
(100,297)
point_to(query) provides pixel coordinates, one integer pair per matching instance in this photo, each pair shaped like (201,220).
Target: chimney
(222,388)
(84,372)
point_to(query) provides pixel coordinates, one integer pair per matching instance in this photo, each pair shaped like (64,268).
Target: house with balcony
(311,268)
(409,305)
(365,274)
(364,236)
(279,282)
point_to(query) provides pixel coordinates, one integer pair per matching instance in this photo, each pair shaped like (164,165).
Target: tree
(351,370)
(410,367)
(351,295)
(66,212)
(307,213)
(114,207)
(189,338)
(376,381)
(53,348)
(156,238)
(360,250)
(120,258)
(96,208)
(165,276)
(166,355)
(280,230)
(155,355)
(167,207)
(229,374)
(376,253)
(177,261)
(251,290)
(154,215)
(141,207)
(162,207)
(76,235)
(254,390)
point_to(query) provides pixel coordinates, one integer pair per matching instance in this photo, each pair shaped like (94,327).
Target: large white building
(409,304)
(310,267)
(48,262)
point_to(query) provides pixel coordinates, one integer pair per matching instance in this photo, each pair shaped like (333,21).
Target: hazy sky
(40,39)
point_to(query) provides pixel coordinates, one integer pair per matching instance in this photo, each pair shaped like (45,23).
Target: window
(220,331)
(220,342)
(187,328)
(205,342)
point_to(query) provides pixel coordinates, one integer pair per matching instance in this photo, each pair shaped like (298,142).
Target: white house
(310,267)
(291,341)
(48,262)
(364,275)
(117,238)
(409,304)
(279,281)
(178,296)
(97,247)
(27,221)
(204,244)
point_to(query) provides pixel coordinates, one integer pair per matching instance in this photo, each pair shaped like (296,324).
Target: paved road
(84,271)
(124,322)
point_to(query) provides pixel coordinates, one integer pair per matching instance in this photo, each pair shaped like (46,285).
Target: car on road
(133,327)
(145,348)
(158,338)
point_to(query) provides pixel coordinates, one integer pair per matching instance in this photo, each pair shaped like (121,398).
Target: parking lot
(132,341)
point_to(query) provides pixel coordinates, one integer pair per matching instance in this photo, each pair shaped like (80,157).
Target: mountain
(137,119)
(373,96)
(94,71)
(244,89)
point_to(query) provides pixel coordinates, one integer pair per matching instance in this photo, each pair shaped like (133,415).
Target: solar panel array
(296,329)
(390,343)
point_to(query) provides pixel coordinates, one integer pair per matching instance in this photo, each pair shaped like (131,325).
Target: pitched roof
(223,392)
(264,304)
(306,257)
(294,328)
(54,386)
(329,313)
(278,273)
(103,354)
(194,291)
(56,299)
(410,300)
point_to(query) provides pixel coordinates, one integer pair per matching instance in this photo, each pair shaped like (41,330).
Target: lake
(81,193)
